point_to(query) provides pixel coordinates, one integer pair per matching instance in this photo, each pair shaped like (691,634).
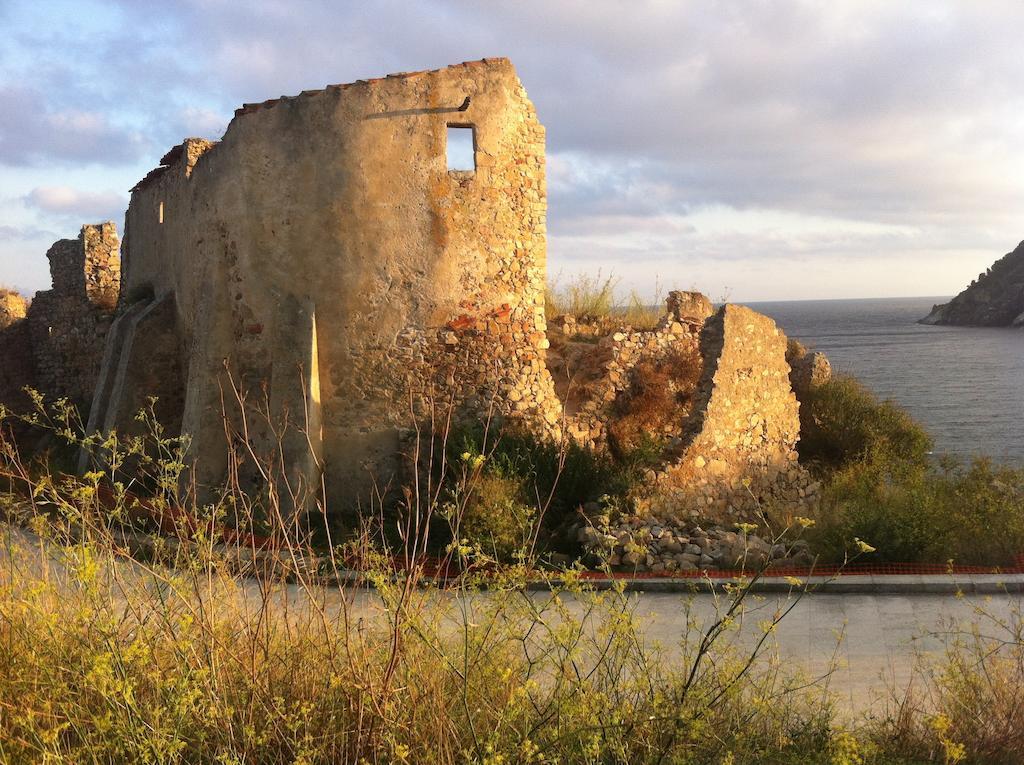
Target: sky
(751,149)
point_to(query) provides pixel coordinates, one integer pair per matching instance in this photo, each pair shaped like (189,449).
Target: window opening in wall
(161,213)
(461,149)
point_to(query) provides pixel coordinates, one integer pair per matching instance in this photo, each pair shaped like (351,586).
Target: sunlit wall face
(751,150)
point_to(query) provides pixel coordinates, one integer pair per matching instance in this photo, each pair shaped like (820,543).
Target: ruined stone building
(336,257)
(55,343)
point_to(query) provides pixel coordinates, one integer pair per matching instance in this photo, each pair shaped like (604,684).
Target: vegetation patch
(516,468)
(659,399)
(919,513)
(597,298)
(882,483)
(841,422)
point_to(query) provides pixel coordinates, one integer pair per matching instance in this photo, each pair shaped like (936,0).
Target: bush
(882,486)
(659,397)
(842,422)
(182,658)
(965,706)
(557,480)
(496,519)
(920,513)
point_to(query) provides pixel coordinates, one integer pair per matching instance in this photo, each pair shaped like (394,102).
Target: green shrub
(842,422)
(882,486)
(496,519)
(920,513)
(556,479)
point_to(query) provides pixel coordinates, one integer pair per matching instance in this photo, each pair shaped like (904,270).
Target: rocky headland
(994,299)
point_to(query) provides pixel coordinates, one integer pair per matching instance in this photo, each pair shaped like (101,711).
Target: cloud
(850,109)
(34,132)
(872,118)
(201,122)
(23,265)
(74,203)
(26,234)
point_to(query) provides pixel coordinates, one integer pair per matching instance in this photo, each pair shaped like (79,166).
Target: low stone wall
(739,458)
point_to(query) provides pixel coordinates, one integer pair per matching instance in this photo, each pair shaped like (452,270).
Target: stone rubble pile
(639,544)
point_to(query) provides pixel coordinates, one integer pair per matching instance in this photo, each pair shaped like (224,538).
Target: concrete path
(871,640)
(846,584)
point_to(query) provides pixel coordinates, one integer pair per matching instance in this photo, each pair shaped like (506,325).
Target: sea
(964,384)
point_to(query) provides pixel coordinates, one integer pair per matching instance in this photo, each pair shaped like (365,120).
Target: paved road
(875,639)
(871,640)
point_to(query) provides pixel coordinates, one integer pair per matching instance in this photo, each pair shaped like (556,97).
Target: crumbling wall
(323,258)
(595,395)
(16,369)
(338,204)
(606,380)
(739,458)
(68,324)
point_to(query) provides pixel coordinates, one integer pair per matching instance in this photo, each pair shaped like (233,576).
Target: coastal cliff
(994,299)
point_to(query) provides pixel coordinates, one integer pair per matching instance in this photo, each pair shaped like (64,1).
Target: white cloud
(202,123)
(34,131)
(76,203)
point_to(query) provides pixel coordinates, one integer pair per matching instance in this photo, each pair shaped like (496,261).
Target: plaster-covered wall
(334,212)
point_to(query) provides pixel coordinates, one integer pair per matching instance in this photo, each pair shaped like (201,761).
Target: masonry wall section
(417,280)
(68,324)
(16,367)
(739,459)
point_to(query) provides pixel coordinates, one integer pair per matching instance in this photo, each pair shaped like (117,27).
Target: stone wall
(713,388)
(333,214)
(68,324)
(16,368)
(739,457)
(13,308)
(593,395)
(324,260)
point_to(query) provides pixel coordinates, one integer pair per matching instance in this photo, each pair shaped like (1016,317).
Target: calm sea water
(965,384)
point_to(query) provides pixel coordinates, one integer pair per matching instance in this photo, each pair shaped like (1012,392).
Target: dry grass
(597,298)
(658,401)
